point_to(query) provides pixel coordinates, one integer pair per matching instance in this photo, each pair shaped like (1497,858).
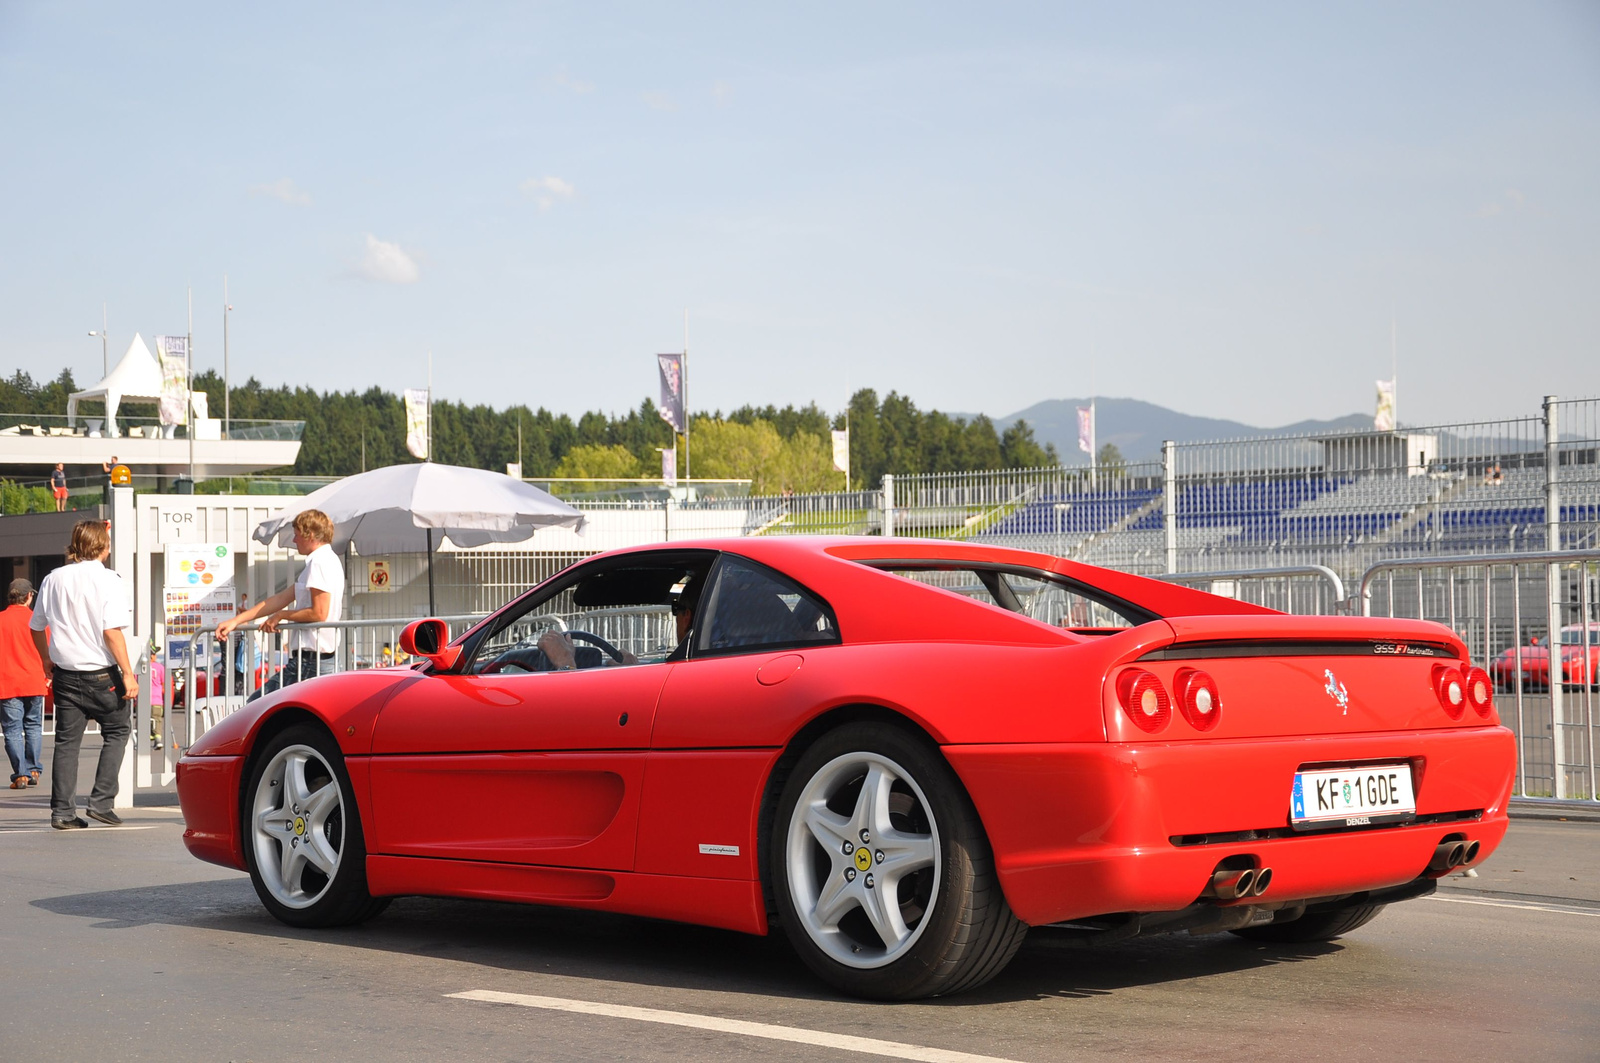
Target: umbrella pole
(431,610)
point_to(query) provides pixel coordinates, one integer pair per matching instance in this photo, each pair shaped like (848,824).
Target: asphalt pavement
(118,945)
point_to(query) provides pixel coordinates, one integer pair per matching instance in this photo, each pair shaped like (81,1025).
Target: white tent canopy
(137,377)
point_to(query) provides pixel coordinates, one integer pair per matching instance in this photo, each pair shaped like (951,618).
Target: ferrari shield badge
(1337,692)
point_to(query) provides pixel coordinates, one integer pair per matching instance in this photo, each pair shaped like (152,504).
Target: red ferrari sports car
(905,753)
(1578,666)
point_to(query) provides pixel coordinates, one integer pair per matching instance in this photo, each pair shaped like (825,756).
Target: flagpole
(1094,445)
(1394,366)
(688,474)
(227,392)
(430,415)
(189,353)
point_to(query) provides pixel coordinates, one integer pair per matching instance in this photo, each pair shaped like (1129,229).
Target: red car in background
(901,753)
(1580,665)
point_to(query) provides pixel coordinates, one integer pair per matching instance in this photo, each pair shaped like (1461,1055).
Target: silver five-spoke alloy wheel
(297,826)
(863,859)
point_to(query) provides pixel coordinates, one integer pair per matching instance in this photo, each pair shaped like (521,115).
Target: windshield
(1573,636)
(1042,596)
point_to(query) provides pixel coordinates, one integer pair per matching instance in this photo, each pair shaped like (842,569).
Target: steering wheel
(595,640)
(533,659)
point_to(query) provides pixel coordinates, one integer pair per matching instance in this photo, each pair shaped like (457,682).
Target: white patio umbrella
(411,508)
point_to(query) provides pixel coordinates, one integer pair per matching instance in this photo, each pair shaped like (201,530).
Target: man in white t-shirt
(316,597)
(87,609)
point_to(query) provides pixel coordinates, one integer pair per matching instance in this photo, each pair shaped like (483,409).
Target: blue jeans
(81,697)
(301,664)
(23,719)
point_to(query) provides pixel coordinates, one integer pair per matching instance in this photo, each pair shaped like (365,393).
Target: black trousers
(81,697)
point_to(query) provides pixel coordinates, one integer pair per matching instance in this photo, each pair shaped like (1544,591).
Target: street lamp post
(227,391)
(105,353)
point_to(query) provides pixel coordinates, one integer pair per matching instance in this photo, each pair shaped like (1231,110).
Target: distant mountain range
(1138,428)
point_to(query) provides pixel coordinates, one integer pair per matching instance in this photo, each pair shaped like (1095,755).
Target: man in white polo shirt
(86,608)
(317,596)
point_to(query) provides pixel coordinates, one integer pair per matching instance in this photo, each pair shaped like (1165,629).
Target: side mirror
(430,639)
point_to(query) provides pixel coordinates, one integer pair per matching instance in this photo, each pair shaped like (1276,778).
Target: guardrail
(263,655)
(364,644)
(1314,590)
(1504,606)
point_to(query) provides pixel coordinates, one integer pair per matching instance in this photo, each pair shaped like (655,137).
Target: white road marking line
(1527,906)
(76,830)
(866,1045)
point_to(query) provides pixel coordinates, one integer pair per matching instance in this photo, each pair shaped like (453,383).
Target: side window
(751,607)
(1061,606)
(619,613)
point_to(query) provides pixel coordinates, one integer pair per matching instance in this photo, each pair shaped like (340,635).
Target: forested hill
(777,448)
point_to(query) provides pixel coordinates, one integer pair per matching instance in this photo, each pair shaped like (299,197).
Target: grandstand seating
(1266,522)
(1083,514)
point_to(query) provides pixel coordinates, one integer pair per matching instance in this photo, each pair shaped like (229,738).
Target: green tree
(1019,450)
(598,461)
(1110,461)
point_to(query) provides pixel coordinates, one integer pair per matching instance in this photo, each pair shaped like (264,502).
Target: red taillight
(1198,698)
(1144,699)
(1480,691)
(1451,689)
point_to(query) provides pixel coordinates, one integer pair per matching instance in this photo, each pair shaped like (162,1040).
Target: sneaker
(33,778)
(20,782)
(75,823)
(108,817)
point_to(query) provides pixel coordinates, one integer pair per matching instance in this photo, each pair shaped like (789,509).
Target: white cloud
(658,101)
(388,263)
(570,83)
(1509,204)
(546,190)
(284,191)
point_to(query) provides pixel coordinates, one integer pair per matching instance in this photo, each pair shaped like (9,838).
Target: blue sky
(1213,207)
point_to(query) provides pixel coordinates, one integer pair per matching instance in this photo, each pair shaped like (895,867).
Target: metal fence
(1505,607)
(1341,500)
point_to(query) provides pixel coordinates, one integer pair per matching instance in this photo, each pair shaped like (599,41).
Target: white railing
(264,655)
(1502,606)
(1307,590)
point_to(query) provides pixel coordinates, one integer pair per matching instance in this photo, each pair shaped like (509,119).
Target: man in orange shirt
(22,686)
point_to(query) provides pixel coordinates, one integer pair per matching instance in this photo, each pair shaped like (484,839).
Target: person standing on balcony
(317,597)
(58,486)
(22,687)
(86,608)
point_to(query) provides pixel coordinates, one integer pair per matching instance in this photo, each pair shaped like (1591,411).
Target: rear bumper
(1088,829)
(208,792)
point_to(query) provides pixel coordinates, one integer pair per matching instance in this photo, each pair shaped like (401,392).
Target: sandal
(20,782)
(33,778)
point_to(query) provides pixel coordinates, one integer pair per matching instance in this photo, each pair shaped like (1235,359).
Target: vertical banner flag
(841,451)
(1383,420)
(1086,429)
(669,466)
(671,403)
(173,351)
(417,422)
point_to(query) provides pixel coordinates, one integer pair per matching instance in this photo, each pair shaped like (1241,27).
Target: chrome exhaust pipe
(1263,880)
(1231,885)
(1448,855)
(1471,854)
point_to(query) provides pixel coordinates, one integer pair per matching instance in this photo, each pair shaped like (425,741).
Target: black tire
(959,930)
(319,828)
(1314,926)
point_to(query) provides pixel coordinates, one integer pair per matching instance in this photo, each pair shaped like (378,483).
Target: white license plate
(1352,797)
